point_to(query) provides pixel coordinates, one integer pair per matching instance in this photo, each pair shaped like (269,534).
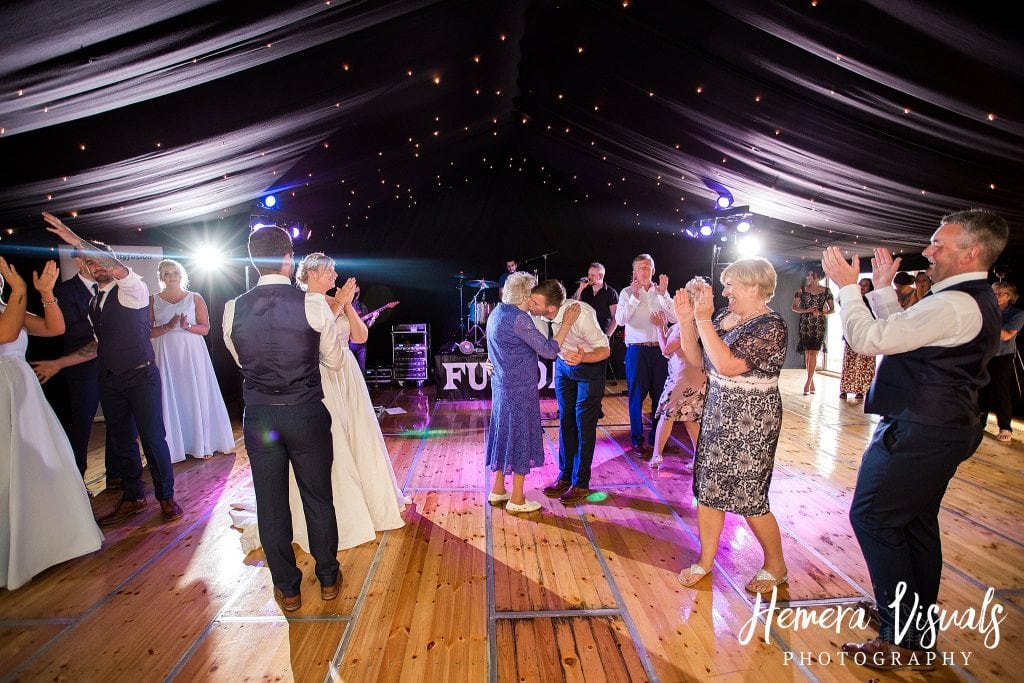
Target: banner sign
(465,377)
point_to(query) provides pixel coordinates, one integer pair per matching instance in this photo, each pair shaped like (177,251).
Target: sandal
(693,575)
(762,579)
(656,461)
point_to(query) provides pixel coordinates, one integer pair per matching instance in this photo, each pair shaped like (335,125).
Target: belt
(643,344)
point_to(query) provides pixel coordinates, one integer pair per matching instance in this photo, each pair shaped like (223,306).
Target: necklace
(740,319)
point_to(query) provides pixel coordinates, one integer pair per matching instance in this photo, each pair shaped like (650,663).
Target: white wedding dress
(45,515)
(367,498)
(195,417)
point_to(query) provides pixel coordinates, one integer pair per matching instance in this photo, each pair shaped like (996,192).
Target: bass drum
(478,312)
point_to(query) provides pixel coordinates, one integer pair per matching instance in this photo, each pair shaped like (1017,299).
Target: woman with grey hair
(514,443)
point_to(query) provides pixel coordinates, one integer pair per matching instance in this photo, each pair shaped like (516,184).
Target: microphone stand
(542,256)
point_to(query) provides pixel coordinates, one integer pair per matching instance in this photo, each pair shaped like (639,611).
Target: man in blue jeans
(926,392)
(579,387)
(646,368)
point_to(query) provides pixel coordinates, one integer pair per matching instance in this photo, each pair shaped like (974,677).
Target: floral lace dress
(742,420)
(812,327)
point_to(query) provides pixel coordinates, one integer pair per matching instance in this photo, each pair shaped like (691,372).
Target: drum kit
(473,317)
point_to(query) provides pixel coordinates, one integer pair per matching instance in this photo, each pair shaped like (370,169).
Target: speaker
(467,347)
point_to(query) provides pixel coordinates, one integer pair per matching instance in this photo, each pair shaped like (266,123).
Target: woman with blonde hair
(744,347)
(195,417)
(46,518)
(367,498)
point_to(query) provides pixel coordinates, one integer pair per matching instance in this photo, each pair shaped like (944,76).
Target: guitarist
(359,350)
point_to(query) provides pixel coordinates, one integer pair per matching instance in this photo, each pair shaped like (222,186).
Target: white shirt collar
(273,279)
(957,279)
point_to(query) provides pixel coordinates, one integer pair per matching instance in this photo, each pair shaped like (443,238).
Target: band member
(603,299)
(510,267)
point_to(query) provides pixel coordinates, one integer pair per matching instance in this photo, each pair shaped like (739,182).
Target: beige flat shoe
(763,582)
(693,575)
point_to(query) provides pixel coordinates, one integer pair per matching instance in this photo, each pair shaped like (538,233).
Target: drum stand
(476,334)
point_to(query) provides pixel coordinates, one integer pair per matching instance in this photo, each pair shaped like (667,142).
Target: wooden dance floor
(466,592)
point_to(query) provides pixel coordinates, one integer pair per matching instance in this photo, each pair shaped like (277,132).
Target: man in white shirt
(129,381)
(926,392)
(579,387)
(646,368)
(279,337)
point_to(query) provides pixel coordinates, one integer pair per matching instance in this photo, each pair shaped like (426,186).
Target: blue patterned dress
(742,419)
(514,437)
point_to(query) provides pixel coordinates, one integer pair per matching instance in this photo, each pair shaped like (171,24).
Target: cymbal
(481,284)
(459,276)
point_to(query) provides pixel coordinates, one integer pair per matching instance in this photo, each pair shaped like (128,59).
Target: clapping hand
(10,275)
(838,270)
(682,305)
(703,302)
(44,283)
(659,319)
(662,284)
(884,268)
(346,293)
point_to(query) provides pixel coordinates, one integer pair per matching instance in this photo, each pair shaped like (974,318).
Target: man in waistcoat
(278,337)
(78,367)
(129,380)
(926,392)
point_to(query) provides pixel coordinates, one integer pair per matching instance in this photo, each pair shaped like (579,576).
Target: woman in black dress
(813,302)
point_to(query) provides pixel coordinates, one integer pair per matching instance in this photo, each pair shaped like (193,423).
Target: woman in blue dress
(514,443)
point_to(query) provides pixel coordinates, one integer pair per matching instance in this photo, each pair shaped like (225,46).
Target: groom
(279,338)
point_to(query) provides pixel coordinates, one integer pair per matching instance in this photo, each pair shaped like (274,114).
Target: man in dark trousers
(926,392)
(78,367)
(278,337)
(128,377)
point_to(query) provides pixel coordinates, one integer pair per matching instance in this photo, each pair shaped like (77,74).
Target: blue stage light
(742,226)
(270,201)
(724,201)
(706,230)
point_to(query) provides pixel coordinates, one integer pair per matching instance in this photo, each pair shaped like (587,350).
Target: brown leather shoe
(574,495)
(331,592)
(170,510)
(638,452)
(122,511)
(884,656)
(289,603)
(556,488)
(113,483)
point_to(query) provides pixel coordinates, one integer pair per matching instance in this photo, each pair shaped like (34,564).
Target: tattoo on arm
(87,350)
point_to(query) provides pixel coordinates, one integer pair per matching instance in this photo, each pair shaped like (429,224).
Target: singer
(600,296)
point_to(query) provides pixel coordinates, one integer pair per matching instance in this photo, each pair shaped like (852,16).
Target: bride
(367,498)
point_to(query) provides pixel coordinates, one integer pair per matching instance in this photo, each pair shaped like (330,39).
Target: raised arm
(51,323)
(13,317)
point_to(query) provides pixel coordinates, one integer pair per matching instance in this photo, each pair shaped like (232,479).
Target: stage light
(706,230)
(743,226)
(296,232)
(724,201)
(270,201)
(690,232)
(208,257)
(748,246)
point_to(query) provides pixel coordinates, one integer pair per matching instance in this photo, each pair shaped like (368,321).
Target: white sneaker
(1004,435)
(497,498)
(527,506)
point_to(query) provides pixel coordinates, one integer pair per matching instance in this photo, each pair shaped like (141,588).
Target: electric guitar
(372,315)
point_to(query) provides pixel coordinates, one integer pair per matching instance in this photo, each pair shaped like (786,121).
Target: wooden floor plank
(414,602)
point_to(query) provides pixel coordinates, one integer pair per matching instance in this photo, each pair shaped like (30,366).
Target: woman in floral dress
(858,369)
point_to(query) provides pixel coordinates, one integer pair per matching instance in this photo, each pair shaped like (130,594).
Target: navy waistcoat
(123,335)
(278,351)
(939,385)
